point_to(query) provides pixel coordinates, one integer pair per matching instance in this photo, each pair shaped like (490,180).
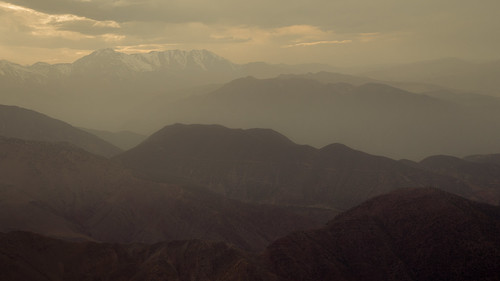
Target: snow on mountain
(112,63)
(18,72)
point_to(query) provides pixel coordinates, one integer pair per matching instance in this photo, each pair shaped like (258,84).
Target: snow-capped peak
(109,62)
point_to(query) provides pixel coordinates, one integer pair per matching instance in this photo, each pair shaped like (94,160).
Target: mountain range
(143,92)
(452,73)
(259,165)
(372,117)
(62,191)
(413,234)
(114,84)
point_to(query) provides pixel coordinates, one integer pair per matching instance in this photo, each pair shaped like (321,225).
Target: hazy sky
(338,32)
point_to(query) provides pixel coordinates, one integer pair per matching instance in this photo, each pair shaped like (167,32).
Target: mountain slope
(421,234)
(372,117)
(62,191)
(27,256)
(413,234)
(259,165)
(26,124)
(483,176)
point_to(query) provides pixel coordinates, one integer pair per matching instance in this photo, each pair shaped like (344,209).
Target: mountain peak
(105,51)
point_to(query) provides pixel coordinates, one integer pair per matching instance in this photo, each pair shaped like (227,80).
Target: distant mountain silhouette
(422,234)
(106,89)
(334,78)
(451,73)
(485,158)
(373,117)
(261,165)
(26,124)
(63,191)
(414,234)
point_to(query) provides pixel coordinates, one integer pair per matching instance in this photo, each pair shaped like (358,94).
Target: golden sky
(337,32)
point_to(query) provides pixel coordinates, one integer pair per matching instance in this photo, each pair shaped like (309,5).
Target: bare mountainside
(26,124)
(261,165)
(422,234)
(62,191)
(373,117)
(414,234)
(21,258)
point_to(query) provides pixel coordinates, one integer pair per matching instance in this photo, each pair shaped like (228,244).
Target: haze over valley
(181,140)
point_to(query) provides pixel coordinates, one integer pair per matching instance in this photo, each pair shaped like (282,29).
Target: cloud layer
(337,32)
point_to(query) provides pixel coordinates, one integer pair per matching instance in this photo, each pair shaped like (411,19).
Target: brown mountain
(422,234)
(483,174)
(412,234)
(261,165)
(62,191)
(27,256)
(16,122)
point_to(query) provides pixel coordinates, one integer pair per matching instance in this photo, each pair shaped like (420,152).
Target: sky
(337,32)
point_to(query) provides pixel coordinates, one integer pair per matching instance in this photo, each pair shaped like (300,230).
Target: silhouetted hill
(422,234)
(372,117)
(62,191)
(26,124)
(259,165)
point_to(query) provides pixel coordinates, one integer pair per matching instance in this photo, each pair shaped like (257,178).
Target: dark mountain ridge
(422,234)
(263,166)
(63,191)
(26,124)
(411,234)
(372,117)
(483,176)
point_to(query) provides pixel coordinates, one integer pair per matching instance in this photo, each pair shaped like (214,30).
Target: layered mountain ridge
(412,234)
(264,166)
(63,191)
(16,122)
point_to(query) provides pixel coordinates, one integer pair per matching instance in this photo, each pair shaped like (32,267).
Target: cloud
(306,44)
(365,29)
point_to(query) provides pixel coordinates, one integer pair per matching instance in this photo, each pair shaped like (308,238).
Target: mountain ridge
(18,122)
(272,168)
